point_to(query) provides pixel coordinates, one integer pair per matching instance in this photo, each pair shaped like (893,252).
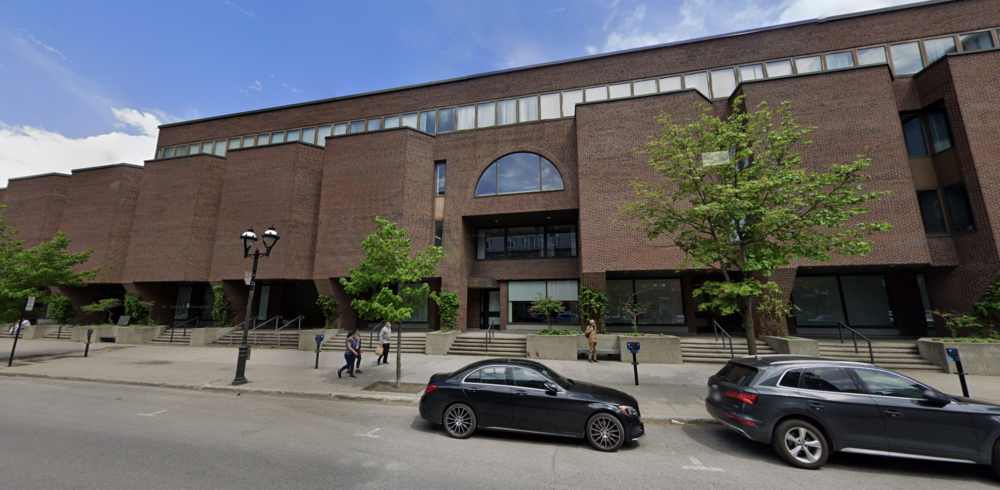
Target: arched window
(519,172)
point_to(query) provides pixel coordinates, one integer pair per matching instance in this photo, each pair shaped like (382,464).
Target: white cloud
(795,10)
(293,89)
(26,150)
(48,48)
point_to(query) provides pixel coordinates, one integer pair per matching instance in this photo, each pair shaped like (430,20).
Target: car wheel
(801,444)
(459,421)
(605,432)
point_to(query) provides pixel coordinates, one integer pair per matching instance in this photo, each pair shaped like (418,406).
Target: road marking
(370,434)
(154,414)
(699,467)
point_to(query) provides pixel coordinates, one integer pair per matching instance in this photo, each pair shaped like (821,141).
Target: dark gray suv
(806,407)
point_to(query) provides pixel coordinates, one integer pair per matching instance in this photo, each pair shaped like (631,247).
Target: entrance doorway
(489,308)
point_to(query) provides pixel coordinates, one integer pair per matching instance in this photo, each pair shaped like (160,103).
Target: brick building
(519,174)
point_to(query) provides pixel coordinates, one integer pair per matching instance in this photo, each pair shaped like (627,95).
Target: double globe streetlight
(249,239)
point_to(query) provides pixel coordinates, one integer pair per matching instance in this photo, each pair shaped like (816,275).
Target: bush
(61,310)
(447,302)
(328,304)
(223,313)
(557,332)
(592,305)
(138,310)
(103,306)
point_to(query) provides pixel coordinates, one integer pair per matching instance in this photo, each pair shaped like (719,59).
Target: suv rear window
(737,374)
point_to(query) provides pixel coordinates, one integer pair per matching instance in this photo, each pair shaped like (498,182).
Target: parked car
(519,395)
(807,407)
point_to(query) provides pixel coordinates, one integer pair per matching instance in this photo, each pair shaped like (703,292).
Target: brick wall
(36,206)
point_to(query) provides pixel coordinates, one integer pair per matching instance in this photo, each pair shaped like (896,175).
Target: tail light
(430,388)
(738,419)
(748,398)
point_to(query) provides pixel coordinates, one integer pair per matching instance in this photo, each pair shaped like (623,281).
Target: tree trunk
(399,355)
(746,311)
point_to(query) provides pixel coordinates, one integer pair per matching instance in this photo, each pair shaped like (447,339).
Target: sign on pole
(246,278)
(30,305)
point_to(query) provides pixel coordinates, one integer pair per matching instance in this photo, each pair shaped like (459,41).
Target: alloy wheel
(459,421)
(605,433)
(803,445)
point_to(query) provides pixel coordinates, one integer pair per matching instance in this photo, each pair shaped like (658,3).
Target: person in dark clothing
(385,338)
(350,353)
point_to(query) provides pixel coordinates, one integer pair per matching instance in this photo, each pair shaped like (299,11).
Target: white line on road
(699,467)
(370,434)
(154,414)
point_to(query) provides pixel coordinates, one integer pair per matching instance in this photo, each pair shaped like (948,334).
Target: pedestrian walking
(350,354)
(591,333)
(357,342)
(385,338)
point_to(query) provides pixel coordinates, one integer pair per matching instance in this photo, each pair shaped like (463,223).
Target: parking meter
(954,357)
(633,347)
(319,342)
(86,349)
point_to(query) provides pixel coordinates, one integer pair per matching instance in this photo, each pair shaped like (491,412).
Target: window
(959,209)
(808,65)
(309,135)
(263,139)
(930,211)
(698,81)
(374,124)
(866,301)
(871,56)
(438,232)
(494,375)
(439,173)
(527,242)
(936,48)
(419,314)
(570,99)
(550,106)
(620,90)
(884,384)
(528,108)
(723,82)
(937,125)
(181,151)
(168,152)
(778,68)
(913,132)
(293,135)
(322,133)
(519,172)
(791,379)
(666,304)
(828,379)
(159,152)
(596,93)
(193,149)
(839,60)
(248,141)
(751,72)
(560,241)
(466,118)
(234,143)
(427,122)
(976,41)
(737,374)
(906,58)
(410,120)
(357,127)
(490,244)
(220,148)
(392,122)
(207,147)
(507,112)
(819,301)
(487,115)
(670,84)
(340,129)
(276,138)
(446,120)
(520,295)
(644,87)
(526,378)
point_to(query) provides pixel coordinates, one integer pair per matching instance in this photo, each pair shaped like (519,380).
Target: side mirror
(936,398)
(551,387)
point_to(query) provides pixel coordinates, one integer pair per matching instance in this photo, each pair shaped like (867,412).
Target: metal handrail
(725,335)
(276,319)
(371,335)
(196,320)
(854,336)
(235,327)
(294,320)
(490,333)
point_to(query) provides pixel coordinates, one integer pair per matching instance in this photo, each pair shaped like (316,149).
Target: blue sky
(86,83)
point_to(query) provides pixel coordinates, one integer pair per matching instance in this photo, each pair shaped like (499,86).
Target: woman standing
(385,337)
(350,353)
(591,333)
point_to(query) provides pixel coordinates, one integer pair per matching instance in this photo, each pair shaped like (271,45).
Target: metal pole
(17,333)
(635,369)
(241,362)
(961,377)
(86,349)
(318,344)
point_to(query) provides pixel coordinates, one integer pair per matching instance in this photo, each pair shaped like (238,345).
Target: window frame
(545,242)
(496,167)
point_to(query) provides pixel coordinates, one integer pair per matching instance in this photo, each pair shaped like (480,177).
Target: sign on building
(713,158)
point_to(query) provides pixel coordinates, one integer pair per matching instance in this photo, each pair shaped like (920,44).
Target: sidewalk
(666,392)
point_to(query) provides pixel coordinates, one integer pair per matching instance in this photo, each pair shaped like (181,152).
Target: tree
(61,309)
(756,211)
(328,304)
(592,304)
(223,313)
(633,309)
(388,263)
(447,302)
(138,310)
(102,306)
(28,272)
(546,306)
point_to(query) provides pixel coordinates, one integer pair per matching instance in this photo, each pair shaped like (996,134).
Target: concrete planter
(653,349)
(80,332)
(981,359)
(557,347)
(200,337)
(307,338)
(605,341)
(39,331)
(138,335)
(797,346)
(438,343)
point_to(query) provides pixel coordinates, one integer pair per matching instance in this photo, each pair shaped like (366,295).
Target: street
(63,434)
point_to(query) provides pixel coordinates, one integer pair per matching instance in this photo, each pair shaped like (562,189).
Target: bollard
(633,347)
(319,343)
(86,349)
(953,356)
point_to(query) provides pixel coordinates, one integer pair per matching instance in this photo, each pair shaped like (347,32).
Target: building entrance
(489,306)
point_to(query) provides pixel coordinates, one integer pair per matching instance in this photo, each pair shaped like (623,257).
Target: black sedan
(807,407)
(518,395)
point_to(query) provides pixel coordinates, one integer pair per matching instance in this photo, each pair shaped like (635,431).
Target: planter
(438,343)
(307,338)
(138,335)
(80,332)
(797,346)
(200,337)
(653,349)
(981,359)
(557,347)
(39,331)
(605,341)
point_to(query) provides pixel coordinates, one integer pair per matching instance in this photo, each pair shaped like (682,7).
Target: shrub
(547,306)
(223,313)
(592,305)
(328,304)
(103,306)
(447,302)
(138,310)
(61,310)
(557,332)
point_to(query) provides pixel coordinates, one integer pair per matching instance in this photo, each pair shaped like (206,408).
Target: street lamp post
(249,238)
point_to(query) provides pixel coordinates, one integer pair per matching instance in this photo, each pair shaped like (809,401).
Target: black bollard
(953,356)
(633,347)
(86,349)
(28,305)
(319,343)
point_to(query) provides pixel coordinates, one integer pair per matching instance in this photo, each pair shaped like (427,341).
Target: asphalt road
(56,434)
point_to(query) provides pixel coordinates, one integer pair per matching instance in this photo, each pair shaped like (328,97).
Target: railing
(275,319)
(236,328)
(297,319)
(59,333)
(371,335)
(725,335)
(854,336)
(196,320)
(490,332)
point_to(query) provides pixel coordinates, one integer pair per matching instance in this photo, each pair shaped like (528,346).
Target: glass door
(489,308)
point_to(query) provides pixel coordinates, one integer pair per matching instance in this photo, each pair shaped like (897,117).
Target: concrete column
(503,305)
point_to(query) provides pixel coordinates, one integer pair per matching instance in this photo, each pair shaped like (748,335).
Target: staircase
(181,337)
(67,333)
(286,339)
(895,354)
(709,350)
(501,345)
(412,342)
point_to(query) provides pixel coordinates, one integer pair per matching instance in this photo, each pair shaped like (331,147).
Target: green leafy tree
(760,209)
(61,310)
(138,310)
(592,304)
(102,306)
(328,304)
(223,313)
(633,309)
(547,306)
(28,272)
(388,263)
(447,302)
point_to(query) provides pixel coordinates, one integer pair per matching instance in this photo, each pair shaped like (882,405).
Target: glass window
(248,141)
(913,132)
(737,374)
(507,112)
(293,135)
(206,147)
(526,378)
(263,139)
(619,90)
(446,120)
(570,99)
(322,133)
(220,148)
(818,301)
(486,116)
(839,60)
(778,68)
(234,143)
(495,375)
(560,241)
(866,301)
(976,41)
(159,152)
(828,379)
(490,244)
(670,84)
(550,106)
(871,56)
(551,179)
(392,122)
(723,82)
(666,305)
(937,125)
(309,135)
(885,384)
(181,151)
(698,81)
(936,48)
(528,108)
(194,149)
(419,314)
(809,64)
(959,209)
(596,93)
(168,152)
(340,129)
(438,232)
(278,137)
(487,185)
(751,72)
(525,242)
(439,173)
(357,127)
(466,117)
(619,292)
(410,120)
(374,124)
(930,211)
(643,87)
(906,58)
(427,120)
(518,172)
(791,379)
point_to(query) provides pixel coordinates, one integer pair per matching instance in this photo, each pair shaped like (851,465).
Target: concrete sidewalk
(666,392)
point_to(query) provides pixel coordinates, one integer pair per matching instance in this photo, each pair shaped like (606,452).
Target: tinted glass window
(525,242)
(914,134)
(885,384)
(490,244)
(526,378)
(560,241)
(959,208)
(495,375)
(937,48)
(446,120)
(556,377)
(427,121)
(474,377)
(930,210)
(737,374)
(488,182)
(906,58)
(791,379)
(551,180)
(828,379)
(871,56)
(977,41)
(937,124)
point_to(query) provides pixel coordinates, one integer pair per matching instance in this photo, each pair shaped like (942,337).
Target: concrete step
(67,333)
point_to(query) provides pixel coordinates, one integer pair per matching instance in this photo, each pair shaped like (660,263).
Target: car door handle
(816,406)
(519,392)
(472,390)
(893,413)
